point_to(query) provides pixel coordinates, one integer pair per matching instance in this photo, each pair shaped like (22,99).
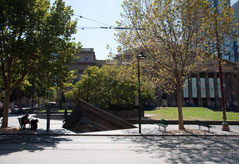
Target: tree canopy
(105,88)
(174,34)
(35,39)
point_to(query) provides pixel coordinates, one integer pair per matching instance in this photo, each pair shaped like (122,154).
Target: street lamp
(140,56)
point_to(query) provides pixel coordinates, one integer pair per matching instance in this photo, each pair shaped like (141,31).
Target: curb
(175,122)
(123,135)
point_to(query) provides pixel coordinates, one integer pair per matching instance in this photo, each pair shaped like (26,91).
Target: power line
(109,28)
(106,27)
(92,20)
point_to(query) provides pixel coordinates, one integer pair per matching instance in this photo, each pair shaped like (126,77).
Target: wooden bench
(205,124)
(163,123)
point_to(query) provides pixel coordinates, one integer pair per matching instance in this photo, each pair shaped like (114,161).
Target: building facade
(234,42)
(230,47)
(203,88)
(84,59)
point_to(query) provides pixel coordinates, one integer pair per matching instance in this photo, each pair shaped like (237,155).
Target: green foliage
(175,35)
(105,88)
(32,32)
(36,43)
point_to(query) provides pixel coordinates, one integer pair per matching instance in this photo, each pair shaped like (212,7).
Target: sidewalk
(146,129)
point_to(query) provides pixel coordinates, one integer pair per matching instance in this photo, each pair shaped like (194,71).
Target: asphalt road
(40,149)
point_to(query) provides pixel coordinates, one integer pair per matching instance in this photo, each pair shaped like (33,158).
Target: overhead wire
(106,26)
(92,20)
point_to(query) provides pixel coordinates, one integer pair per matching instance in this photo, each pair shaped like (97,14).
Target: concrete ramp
(86,117)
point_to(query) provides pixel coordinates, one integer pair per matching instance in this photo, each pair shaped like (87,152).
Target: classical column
(199,90)
(230,90)
(173,99)
(207,89)
(217,101)
(190,93)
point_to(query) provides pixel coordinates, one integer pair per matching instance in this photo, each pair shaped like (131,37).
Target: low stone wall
(121,114)
(53,116)
(126,114)
(175,122)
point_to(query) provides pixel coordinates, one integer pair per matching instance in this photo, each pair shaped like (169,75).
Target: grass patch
(191,113)
(59,111)
(63,110)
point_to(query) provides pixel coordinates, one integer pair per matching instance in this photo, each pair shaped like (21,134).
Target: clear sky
(105,11)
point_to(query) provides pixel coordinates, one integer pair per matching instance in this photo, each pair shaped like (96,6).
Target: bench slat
(204,123)
(163,123)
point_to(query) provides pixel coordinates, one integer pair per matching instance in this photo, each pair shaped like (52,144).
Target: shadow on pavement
(188,150)
(16,143)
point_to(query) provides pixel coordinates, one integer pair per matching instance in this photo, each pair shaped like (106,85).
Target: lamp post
(140,56)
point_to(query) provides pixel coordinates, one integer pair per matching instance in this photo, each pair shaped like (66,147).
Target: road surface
(47,149)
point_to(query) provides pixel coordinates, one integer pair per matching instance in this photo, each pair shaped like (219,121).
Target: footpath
(146,129)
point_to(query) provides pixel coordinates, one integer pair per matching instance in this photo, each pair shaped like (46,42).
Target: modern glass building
(230,49)
(234,43)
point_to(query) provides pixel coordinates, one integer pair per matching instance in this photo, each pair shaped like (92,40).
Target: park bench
(21,124)
(163,123)
(205,124)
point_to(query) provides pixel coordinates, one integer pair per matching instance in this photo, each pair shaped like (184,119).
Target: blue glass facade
(230,48)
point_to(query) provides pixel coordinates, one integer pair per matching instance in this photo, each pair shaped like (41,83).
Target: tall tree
(174,34)
(34,37)
(106,87)
(224,27)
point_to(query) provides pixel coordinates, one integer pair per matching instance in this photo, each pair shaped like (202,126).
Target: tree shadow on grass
(16,143)
(188,149)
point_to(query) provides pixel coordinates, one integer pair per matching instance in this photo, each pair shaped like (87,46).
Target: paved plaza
(147,129)
(50,149)
(61,146)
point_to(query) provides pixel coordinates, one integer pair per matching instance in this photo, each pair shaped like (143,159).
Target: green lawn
(63,110)
(191,113)
(59,111)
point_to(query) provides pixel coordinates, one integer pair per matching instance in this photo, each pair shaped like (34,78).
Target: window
(86,58)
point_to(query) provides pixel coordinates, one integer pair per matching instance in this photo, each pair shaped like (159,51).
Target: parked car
(15,109)
(20,110)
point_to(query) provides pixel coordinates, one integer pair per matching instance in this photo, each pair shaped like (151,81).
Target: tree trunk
(5,108)
(38,102)
(180,111)
(32,101)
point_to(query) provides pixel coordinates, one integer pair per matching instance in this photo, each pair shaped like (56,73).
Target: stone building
(85,59)
(203,88)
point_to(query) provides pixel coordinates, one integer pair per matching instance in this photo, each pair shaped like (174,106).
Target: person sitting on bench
(25,120)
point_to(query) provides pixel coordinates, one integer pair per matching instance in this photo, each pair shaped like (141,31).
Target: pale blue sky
(105,11)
